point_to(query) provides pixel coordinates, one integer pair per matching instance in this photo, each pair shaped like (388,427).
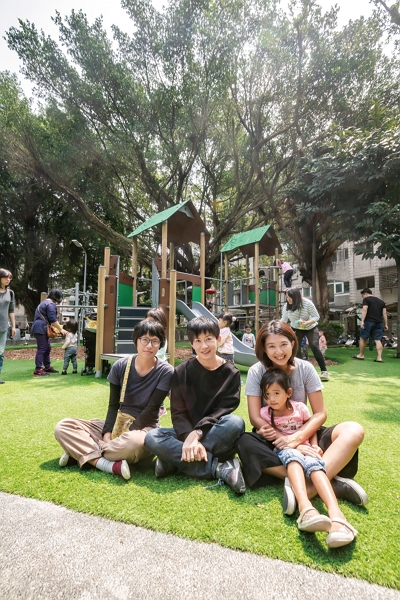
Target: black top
(199,397)
(375,308)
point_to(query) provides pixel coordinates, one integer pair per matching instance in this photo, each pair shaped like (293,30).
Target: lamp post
(79,245)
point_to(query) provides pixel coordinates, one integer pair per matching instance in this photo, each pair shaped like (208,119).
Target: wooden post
(203,266)
(172,313)
(247,282)
(226,282)
(257,282)
(164,247)
(171,256)
(277,316)
(101,294)
(107,254)
(134,271)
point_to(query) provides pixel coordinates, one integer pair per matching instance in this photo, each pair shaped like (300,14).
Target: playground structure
(118,311)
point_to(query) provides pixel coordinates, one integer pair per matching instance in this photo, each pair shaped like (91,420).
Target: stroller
(89,344)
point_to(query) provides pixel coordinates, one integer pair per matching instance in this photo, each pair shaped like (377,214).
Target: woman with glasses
(144,383)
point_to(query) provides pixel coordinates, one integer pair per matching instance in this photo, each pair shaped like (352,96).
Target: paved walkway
(49,552)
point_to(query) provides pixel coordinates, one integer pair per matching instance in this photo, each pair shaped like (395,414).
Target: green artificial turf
(366,392)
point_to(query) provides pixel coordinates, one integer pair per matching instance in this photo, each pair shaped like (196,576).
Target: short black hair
(202,325)
(247,326)
(366,291)
(71,326)
(56,295)
(150,327)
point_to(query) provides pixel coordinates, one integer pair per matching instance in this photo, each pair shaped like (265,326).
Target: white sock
(105,465)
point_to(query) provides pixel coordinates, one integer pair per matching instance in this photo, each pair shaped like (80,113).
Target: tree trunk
(322,292)
(398,302)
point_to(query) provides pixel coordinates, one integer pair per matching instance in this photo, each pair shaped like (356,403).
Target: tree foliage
(218,102)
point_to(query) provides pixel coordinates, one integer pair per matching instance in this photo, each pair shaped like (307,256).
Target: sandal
(343,536)
(317,523)
(358,357)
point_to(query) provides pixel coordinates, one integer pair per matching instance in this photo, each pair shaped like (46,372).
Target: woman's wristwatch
(199,433)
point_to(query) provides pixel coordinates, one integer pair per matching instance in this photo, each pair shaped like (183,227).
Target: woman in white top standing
(303,317)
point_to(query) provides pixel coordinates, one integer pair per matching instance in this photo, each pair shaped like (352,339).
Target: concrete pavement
(48,552)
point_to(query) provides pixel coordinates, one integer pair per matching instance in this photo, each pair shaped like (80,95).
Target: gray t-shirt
(139,389)
(6,307)
(304,380)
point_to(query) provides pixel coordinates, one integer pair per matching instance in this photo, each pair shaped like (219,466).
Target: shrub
(332,330)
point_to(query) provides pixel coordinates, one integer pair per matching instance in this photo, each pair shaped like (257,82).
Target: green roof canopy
(246,241)
(184,224)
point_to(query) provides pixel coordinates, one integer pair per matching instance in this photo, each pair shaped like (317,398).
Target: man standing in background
(373,313)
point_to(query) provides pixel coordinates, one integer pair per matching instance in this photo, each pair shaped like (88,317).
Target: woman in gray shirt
(6,312)
(276,346)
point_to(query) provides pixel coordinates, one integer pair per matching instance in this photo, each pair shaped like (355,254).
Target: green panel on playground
(267,297)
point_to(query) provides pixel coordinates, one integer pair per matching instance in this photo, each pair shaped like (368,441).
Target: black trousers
(313,342)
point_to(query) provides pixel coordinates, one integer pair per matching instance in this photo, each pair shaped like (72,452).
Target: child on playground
(225,343)
(71,327)
(158,314)
(303,462)
(248,337)
(322,343)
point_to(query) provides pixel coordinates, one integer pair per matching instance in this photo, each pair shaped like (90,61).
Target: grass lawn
(366,392)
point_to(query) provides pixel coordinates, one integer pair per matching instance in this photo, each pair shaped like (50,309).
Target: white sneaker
(64,460)
(324,376)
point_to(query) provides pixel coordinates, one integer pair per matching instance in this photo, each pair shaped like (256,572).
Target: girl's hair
(158,314)
(227,317)
(295,294)
(149,327)
(278,328)
(200,325)
(71,326)
(275,376)
(5,273)
(56,295)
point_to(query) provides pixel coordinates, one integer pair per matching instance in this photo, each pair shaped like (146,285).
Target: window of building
(342,254)
(387,278)
(331,289)
(365,282)
(307,292)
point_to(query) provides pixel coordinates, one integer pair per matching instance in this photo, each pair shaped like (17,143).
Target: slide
(243,354)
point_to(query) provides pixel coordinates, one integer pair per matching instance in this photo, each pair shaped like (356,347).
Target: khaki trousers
(83,440)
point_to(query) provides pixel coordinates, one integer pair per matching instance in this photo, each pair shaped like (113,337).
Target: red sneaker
(50,370)
(40,373)
(121,468)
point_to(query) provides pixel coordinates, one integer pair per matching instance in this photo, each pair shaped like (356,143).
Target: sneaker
(63,372)
(163,411)
(1,381)
(289,499)
(162,468)
(40,373)
(348,489)
(324,376)
(50,370)
(121,468)
(230,473)
(66,460)
(73,372)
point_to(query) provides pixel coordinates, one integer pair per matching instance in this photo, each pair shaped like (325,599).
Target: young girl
(225,344)
(322,343)
(71,327)
(305,461)
(157,314)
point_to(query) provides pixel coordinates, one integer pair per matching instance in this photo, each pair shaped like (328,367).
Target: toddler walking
(225,344)
(287,416)
(248,337)
(70,350)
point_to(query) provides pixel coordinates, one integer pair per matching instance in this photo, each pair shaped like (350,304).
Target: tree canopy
(216,102)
